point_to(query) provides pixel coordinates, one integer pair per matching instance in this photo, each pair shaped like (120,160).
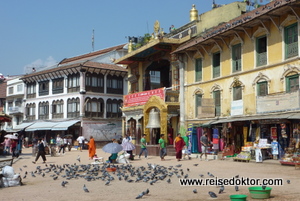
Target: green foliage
(145,39)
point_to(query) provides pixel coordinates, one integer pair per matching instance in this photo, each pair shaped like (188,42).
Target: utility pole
(93,41)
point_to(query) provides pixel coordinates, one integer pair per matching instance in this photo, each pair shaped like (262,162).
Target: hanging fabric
(199,134)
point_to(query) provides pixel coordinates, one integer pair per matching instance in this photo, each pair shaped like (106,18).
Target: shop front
(271,134)
(150,112)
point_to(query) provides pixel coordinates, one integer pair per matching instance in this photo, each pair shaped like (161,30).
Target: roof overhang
(151,48)
(271,12)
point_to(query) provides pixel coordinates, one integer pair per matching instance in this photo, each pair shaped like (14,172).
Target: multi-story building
(79,95)
(159,109)
(242,76)
(3,85)
(14,103)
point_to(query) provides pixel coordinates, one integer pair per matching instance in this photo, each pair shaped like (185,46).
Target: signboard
(207,108)
(237,107)
(141,98)
(274,133)
(277,103)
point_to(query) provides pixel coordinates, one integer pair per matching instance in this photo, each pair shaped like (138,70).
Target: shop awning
(38,126)
(62,126)
(294,116)
(257,117)
(22,126)
(208,124)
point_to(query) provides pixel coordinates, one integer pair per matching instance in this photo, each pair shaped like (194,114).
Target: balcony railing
(292,50)
(171,95)
(262,59)
(236,65)
(16,109)
(93,114)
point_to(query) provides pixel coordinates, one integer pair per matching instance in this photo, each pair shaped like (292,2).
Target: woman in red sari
(179,144)
(92,148)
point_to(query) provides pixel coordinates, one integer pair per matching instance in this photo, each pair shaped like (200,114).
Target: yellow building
(242,76)
(156,108)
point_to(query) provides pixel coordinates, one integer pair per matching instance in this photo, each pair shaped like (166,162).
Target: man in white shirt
(80,140)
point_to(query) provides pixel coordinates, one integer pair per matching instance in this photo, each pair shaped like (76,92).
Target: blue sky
(36,33)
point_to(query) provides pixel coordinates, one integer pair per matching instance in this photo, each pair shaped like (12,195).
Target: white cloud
(39,64)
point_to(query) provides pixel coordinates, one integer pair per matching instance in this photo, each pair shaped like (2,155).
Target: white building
(14,102)
(79,95)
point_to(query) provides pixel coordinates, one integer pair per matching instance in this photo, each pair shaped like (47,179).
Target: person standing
(60,144)
(204,145)
(143,146)
(65,143)
(92,148)
(13,148)
(69,139)
(162,147)
(258,154)
(52,142)
(186,147)
(41,152)
(6,143)
(178,145)
(80,140)
(128,146)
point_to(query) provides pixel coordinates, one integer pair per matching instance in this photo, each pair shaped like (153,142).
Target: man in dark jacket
(41,151)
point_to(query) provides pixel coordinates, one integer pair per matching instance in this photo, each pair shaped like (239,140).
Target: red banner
(141,98)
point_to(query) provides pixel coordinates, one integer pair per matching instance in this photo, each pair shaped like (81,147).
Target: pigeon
(210,174)
(63,183)
(237,176)
(195,164)
(78,158)
(212,194)
(85,189)
(169,180)
(201,175)
(139,196)
(288,181)
(263,187)
(221,189)
(21,169)
(188,169)
(178,165)
(107,183)
(146,192)
(236,188)
(195,191)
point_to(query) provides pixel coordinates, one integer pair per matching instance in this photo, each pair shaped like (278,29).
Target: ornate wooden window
(291,40)
(44,110)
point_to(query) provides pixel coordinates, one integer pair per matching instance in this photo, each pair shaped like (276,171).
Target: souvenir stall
(228,138)
(265,139)
(292,152)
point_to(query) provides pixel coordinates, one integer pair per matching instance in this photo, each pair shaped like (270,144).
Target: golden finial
(156,27)
(193,13)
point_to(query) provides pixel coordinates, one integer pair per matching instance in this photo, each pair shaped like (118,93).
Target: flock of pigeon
(151,174)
